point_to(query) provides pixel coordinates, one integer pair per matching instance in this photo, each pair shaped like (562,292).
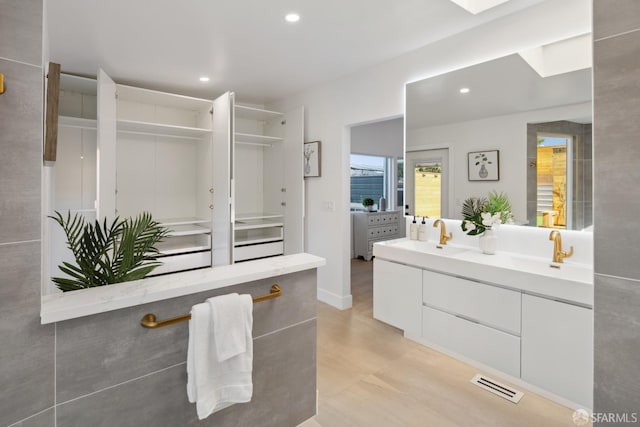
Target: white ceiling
(503,86)
(245,45)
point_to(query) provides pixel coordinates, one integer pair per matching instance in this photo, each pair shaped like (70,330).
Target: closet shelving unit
(161,158)
(265,180)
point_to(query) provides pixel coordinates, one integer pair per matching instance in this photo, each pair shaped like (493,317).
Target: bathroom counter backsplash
(85,302)
(521,240)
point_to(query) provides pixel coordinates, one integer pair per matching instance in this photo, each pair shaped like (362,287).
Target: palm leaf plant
(106,253)
(499,202)
(472,210)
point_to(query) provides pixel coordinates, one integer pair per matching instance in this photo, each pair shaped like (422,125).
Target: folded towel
(228,323)
(214,384)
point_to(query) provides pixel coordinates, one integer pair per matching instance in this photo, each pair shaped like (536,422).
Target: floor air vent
(497,388)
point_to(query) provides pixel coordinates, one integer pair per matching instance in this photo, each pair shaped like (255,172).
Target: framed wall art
(484,165)
(311,159)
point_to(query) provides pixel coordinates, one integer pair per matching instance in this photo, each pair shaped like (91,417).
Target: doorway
(554,173)
(427,177)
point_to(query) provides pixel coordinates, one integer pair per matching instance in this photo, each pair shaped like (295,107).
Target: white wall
(378,92)
(384,138)
(508,134)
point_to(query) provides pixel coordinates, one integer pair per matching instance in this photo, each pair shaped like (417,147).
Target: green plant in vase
(108,253)
(368,202)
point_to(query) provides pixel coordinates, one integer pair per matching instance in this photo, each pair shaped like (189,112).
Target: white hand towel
(227,321)
(212,384)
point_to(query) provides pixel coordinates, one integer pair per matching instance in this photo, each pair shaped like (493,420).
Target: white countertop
(85,302)
(571,282)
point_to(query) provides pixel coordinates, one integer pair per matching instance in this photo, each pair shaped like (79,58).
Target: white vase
(488,242)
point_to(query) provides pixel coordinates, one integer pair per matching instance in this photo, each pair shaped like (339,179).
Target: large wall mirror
(520,124)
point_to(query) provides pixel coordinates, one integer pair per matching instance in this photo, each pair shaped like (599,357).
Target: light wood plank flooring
(370,375)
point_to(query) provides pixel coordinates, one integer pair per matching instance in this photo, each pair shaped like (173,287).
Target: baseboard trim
(337,301)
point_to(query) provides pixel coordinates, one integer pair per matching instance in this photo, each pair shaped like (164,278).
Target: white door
(221,236)
(106,148)
(427,183)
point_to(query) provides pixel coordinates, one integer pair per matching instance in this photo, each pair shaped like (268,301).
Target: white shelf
(188,229)
(76,122)
(249,138)
(253,241)
(252,113)
(257,215)
(147,128)
(256,223)
(166,222)
(171,248)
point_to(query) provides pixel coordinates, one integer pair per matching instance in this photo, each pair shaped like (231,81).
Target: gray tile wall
(26,347)
(138,376)
(616,207)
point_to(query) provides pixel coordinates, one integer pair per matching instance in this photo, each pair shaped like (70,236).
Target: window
(374,177)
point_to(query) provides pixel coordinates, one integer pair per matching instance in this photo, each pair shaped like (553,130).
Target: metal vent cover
(497,388)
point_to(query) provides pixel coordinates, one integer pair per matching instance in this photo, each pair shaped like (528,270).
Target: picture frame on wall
(311,159)
(484,165)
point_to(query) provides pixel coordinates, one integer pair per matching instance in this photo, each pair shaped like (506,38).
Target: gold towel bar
(149,320)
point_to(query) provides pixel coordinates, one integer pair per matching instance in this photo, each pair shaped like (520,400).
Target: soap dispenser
(413,230)
(423,231)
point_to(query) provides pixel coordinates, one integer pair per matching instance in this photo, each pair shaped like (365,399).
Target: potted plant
(368,202)
(481,215)
(105,254)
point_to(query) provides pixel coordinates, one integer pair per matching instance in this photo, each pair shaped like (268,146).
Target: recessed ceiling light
(292,17)
(204,79)
(464,90)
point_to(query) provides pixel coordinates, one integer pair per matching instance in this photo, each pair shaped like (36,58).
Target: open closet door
(294,181)
(221,228)
(106,148)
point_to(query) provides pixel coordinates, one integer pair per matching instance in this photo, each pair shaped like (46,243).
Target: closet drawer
(490,305)
(244,253)
(183,262)
(475,341)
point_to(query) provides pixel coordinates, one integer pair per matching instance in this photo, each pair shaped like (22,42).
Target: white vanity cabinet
(155,155)
(397,296)
(557,348)
(472,319)
(267,185)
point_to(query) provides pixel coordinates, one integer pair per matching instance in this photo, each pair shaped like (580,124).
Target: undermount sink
(428,247)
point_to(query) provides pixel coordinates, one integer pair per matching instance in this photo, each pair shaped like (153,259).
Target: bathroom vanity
(513,313)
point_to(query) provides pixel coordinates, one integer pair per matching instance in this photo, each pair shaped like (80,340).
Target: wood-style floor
(369,375)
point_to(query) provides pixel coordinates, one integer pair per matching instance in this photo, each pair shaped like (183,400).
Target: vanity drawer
(473,340)
(490,305)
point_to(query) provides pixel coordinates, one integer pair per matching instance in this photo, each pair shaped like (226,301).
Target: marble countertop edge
(71,305)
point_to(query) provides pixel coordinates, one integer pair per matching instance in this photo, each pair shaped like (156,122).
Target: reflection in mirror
(537,114)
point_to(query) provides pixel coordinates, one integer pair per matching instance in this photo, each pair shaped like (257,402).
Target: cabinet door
(222,143)
(294,181)
(557,348)
(106,152)
(397,296)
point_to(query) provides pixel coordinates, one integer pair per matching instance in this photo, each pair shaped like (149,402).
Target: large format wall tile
(106,349)
(614,17)
(616,94)
(89,358)
(154,400)
(21,30)
(43,419)
(616,336)
(26,346)
(21,148)
(290,356)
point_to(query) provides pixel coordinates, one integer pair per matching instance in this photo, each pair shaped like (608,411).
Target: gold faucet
(443,231)
(558,254)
